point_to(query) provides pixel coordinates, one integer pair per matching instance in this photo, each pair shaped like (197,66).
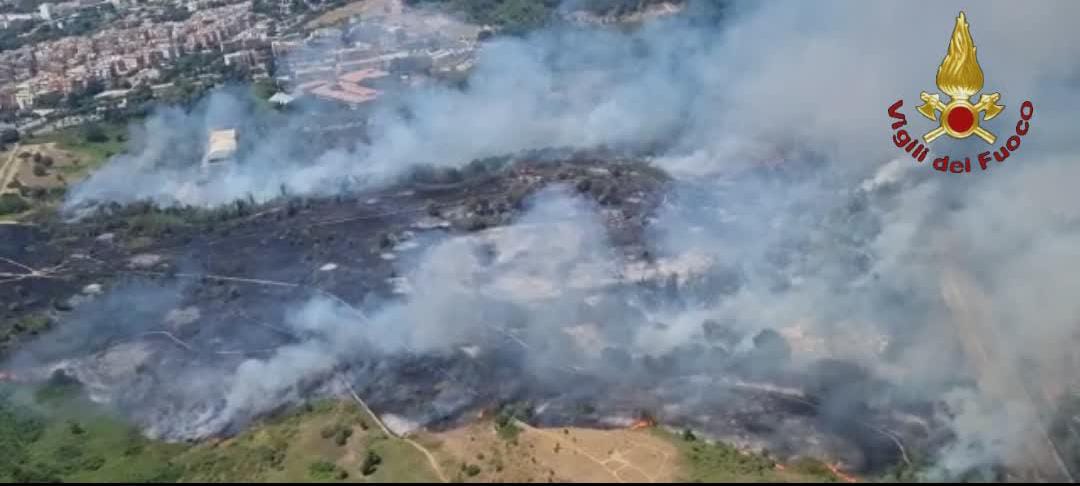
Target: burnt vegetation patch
(212,288)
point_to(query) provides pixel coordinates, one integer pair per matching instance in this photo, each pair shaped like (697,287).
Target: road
(9,169)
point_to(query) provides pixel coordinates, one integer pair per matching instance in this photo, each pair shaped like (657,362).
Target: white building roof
(281,98)
(222,145)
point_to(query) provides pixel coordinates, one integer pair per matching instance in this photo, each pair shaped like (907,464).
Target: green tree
(371,462)
(48,100)
(93,133)
(9,135)
(264,88)
(12,203)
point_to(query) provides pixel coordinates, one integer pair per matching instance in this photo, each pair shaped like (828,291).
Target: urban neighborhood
(142,50)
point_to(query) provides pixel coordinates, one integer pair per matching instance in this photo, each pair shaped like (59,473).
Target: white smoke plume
(455,288)
(870,239)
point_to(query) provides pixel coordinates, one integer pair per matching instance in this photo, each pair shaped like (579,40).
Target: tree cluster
(512,16)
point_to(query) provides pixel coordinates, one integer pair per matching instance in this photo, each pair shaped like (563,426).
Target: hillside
(52,434)
(517,16)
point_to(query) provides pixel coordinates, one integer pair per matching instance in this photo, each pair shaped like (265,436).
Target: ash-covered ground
(850,301)
(534,280)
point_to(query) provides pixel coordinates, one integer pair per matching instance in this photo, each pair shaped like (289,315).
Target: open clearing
(41,168)
(362,8)
(44,165)
(328,441)
(478,452)
(335,441)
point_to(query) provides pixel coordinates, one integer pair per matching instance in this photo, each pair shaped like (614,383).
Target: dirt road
(9,168)
(416,445)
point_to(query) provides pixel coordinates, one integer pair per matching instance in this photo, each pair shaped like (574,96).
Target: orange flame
(642,424)
(840,474)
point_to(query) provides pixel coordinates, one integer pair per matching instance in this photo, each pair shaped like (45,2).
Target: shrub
(371,463)
(342,436)
(93,133)
(273,457)
(12,203)
(325,470)
(133,449)
(472,470)
(506,428)
(9,135)
(67,452)
(155,224)
(36,473)
(91,463)
(340,433)
(33,324)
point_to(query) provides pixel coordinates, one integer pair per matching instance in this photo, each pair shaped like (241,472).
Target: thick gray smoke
(773,80)
(859,252)
(460,291)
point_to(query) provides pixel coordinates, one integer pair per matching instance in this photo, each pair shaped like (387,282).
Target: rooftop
(222,145)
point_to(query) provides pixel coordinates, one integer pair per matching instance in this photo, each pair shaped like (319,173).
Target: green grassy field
(711,462)
(48,435)
(92,155)
(306,445)
(51,434)
(88,156)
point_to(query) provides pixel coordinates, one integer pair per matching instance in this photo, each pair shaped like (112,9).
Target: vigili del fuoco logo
(961,78)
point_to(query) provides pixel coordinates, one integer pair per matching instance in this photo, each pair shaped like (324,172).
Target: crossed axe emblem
(960,118)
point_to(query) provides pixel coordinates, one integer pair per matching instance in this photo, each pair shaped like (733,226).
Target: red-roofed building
(346,88)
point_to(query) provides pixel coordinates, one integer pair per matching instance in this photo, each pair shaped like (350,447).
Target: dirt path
(423,450)
(224,278)
(9,169)
(386,430)
(431,459)
(28,272)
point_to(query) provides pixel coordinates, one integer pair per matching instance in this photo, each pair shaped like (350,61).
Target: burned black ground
(138,295)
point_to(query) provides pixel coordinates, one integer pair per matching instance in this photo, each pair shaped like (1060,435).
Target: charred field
(752,261)
(166,314)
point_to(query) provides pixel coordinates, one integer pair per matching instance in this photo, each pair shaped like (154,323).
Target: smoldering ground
(545,310)
(850,252)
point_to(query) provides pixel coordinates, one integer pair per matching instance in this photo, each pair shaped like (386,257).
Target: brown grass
(361,8)
(557,454)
